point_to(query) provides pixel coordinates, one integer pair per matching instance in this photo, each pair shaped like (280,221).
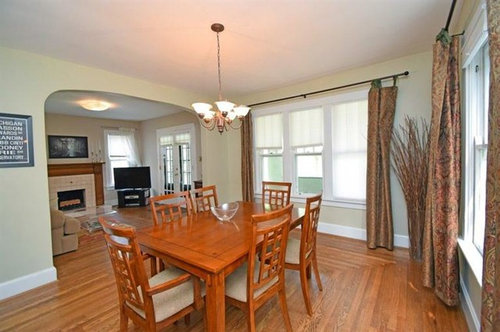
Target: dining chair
(204,198)
(276,193)
(263,275)
(166,208)
(301,254)
(170,206)
(150,303)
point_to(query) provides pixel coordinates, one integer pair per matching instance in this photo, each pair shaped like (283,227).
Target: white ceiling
(122,107)
(266,44)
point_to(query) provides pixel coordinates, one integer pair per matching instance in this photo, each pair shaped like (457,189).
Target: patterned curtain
(490,312)
(247,158)
(440,259)
(381,110)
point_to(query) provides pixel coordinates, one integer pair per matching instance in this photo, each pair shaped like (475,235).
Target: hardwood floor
(363,290)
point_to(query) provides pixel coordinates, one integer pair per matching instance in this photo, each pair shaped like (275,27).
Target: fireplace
(65,177)
(71,199)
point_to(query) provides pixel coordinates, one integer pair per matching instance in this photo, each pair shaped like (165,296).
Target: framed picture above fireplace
(68,147)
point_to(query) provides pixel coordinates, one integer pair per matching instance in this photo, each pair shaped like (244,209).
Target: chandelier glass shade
(224,116)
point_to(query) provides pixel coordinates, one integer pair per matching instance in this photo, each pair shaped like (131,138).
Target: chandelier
(226,113)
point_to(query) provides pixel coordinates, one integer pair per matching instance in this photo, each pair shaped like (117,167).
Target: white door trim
(171,131)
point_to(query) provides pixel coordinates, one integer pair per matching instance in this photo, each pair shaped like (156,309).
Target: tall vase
(415,232)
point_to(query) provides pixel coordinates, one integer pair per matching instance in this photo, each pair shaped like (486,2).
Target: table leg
(215,303)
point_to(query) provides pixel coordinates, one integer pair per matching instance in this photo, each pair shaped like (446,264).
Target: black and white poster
(16,140)
(68,147)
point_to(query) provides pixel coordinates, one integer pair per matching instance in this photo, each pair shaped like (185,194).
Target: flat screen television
(132,177)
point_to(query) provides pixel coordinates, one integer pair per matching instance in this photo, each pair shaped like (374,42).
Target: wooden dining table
(208,248)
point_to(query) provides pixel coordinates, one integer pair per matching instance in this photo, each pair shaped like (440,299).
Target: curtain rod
(304,95)
(450,14)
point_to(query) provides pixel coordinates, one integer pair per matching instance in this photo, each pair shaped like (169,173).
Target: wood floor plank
(363,290)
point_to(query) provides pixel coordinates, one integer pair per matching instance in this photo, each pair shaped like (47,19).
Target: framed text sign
(16,140)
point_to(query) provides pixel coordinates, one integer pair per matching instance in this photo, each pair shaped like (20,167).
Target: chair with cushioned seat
(301,254)
(263,275)
(150,303)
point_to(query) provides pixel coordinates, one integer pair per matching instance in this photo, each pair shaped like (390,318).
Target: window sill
(326,202)
(473,258)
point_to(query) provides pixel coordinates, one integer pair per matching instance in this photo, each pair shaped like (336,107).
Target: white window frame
(110,183)
(327,155)
(476,36)
(260,156)
(295,165)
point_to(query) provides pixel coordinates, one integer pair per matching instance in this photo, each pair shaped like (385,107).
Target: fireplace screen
(71,199)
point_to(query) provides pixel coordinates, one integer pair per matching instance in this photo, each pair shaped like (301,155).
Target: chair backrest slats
(310,225)
(276,193)
(126,259)
(270,234)
(204,198)
(170,207)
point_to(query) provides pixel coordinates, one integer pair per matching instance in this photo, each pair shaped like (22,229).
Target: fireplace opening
(71,199)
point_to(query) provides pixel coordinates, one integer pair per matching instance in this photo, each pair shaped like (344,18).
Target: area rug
(88,217)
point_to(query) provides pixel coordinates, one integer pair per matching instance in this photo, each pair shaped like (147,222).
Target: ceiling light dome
(94,105)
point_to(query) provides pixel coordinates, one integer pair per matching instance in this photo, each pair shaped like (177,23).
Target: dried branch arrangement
(409,151)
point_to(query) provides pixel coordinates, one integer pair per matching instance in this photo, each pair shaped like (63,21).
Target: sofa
(64,232)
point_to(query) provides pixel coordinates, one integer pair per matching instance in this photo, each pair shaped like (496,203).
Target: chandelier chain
(218,67)
(224,115)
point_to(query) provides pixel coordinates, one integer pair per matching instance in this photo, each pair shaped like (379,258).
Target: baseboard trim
(27,282)
(470,314)
(358,233)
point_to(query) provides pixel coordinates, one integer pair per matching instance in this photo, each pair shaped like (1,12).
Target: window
(349,131)
(269,147)
(121,151)
(306,142)
(476,73)
(319,145)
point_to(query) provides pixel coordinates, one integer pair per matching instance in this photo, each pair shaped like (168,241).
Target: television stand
(133,197)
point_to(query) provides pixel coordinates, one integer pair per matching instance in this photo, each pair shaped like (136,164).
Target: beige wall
(413,99)
(93,128)
(26,80)
(214,154)
(149,143)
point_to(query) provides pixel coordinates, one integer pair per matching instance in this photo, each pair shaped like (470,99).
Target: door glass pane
(185,166)
(167,159)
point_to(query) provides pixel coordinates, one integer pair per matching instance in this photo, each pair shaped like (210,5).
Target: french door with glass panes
(176,153)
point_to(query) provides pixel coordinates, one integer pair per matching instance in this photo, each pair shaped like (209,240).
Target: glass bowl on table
(226,211)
